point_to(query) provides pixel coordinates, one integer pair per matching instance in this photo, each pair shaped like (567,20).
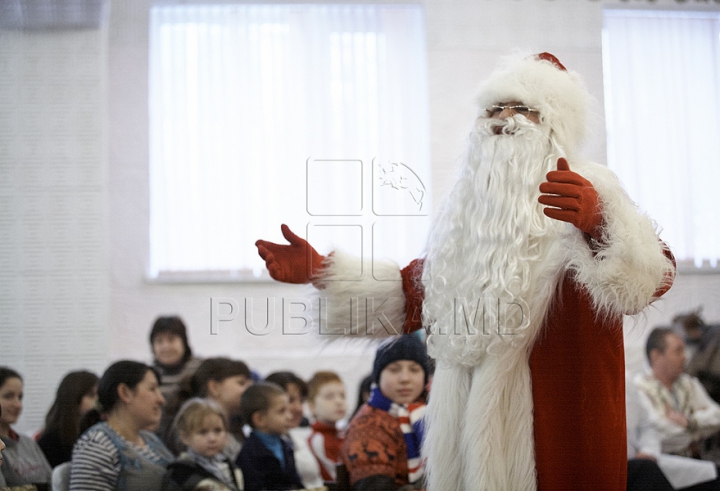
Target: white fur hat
(542,82)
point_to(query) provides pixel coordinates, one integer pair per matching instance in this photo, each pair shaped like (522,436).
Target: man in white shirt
(648,468)
(678,405)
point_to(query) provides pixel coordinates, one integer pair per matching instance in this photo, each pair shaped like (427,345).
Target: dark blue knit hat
(405,347)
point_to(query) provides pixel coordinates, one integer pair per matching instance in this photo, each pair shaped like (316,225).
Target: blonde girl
(201,424)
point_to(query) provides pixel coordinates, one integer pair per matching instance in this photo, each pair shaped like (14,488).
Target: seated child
(266,458)
(202,427)
(382,446)
(326,399)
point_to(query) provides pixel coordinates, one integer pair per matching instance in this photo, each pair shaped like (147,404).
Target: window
(662,104)
(310,115)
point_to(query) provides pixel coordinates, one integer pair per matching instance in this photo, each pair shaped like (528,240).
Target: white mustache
(509,126)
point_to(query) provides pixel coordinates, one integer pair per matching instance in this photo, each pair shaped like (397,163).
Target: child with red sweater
(382,445)
(326,399)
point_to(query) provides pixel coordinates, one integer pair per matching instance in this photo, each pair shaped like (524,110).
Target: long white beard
(492,254)
(486,242)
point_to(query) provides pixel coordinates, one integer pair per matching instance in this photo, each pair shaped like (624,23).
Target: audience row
(191,424)
(184,422)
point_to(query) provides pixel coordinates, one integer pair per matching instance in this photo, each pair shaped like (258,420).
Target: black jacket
(186,475)
(262,470)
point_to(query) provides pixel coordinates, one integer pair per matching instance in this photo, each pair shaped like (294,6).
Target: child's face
(277,420)
(228,392)
(209,438)
(329,405)
(402,381)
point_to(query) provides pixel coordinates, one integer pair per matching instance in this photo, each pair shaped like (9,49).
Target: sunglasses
(496,109)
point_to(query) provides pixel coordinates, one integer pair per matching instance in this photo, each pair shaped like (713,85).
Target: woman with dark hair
(75,396)
(120,453)
(24,462)
(173,358)
(224,381)
(300,430)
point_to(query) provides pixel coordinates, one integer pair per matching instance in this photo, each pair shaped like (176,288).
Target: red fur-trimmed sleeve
(414,294)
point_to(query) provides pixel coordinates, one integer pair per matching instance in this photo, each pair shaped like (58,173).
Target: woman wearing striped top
(121,453)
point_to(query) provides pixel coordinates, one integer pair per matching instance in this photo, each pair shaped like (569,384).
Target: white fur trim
(444,421)
(629,265)
(560,96)
(362,306)
(480,426)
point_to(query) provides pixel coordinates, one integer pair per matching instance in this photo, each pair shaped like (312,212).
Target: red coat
(578,385)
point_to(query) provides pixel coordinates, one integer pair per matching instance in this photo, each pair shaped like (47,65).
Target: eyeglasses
(496,109)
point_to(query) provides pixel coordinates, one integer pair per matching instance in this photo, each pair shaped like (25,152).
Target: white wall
(97,306)
(54,280)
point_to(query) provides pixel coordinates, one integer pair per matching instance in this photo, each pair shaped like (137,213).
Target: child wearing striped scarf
(382,446)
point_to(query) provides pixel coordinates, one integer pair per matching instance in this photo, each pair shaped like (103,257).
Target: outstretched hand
(297,262)
(572,198)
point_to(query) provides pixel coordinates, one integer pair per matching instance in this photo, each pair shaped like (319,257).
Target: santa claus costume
(531,263)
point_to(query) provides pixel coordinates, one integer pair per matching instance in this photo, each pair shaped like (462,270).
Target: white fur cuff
(354,303)
(630,265)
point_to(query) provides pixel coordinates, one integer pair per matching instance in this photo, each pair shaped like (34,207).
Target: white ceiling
(53,14)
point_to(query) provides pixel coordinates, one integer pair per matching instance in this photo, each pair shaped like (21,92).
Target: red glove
(573,199)
(298,262)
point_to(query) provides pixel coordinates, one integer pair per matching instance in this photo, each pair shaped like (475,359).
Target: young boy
(326,399)
(382,446)
(266,459)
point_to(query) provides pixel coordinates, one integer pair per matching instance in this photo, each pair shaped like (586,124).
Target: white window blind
(301,114)
(662,102)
